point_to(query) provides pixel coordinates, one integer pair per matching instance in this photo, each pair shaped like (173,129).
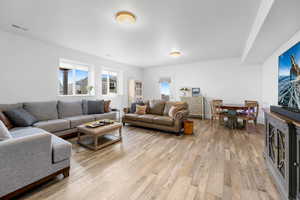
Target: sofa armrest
(23,160)
(126,110)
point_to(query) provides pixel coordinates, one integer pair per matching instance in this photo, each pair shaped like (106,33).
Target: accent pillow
(133,106)
(4,133)
(95,107)
(141,110)
(174,109)
(107,106)
(5,120)
(20,117)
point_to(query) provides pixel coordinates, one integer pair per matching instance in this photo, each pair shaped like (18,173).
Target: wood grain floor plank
(213,164)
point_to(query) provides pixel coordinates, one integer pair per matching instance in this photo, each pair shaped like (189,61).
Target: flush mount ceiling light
(125,17)
(175,54)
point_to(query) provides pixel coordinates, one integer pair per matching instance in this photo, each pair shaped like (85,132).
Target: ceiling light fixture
(125,17)
(175,54)
(19,27)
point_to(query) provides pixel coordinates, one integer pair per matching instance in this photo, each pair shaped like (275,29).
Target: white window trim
(118,82)
(90,77)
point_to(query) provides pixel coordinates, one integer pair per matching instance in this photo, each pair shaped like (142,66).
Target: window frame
(109,94)
(76,66)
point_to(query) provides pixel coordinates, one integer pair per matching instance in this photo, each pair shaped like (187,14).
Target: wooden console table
(282,145)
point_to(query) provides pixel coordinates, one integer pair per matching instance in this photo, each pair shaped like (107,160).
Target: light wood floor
(215,163)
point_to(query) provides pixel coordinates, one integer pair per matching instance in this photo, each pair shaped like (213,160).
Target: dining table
(230,111)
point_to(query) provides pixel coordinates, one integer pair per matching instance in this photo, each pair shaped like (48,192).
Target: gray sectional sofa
(38,153)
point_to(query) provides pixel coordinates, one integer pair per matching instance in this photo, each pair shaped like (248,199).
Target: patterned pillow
(4,133)
(107,106)
(175,109)
(5,120)
(141,110)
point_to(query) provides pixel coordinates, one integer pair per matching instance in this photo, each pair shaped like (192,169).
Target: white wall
(219,79)
(29,70)
(270,73)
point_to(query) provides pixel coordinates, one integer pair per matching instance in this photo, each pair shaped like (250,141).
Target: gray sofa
(36,154)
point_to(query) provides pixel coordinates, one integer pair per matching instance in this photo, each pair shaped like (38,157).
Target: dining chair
(250,114)
(216,111)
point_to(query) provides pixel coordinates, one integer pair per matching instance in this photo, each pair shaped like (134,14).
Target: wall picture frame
(195,92)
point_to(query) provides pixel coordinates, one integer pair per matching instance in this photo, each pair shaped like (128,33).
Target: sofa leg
(66,172)
(124,123)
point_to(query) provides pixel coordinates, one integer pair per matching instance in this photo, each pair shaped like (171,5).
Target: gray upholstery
(69,109)
(5,107)
(110,115)
(26,131)
(95,107)
(61,126)
(53,125)
(20,117)
(42,110)
(61,149)
(78,120)
(29,156)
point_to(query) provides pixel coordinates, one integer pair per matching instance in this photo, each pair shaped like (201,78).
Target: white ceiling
(281,23)
(201,29)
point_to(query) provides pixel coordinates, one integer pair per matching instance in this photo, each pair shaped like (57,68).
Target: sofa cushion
(79,120)
(53,125)
(42,111)
(25,131)
(146,118)
(131,116)
(156,107)
(5,120)
(69,109)
(169,104)
(133,106)
(61,149)
(95,107)
(110,115)
(4,133)
(163,120)
(20,117)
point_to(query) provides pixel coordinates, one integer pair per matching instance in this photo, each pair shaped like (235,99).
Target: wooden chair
(250,114)
(216,111)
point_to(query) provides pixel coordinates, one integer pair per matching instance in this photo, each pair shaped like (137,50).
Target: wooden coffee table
(97,138)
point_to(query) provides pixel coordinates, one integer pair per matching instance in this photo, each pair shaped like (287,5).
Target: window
(109,83)
(165,88)
(74,79)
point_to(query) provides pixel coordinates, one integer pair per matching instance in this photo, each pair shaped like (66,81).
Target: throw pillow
(5,120)
(20,117)
(95,107)
(4,133)
(107,106)
(141,110)
(174,109)
(133,106)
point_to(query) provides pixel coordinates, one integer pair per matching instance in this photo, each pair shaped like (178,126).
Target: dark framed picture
(195,92)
